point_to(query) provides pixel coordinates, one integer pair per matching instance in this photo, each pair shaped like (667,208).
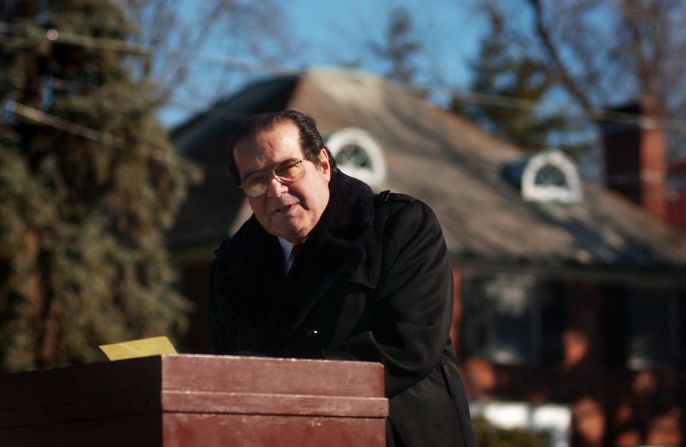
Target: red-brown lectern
(196,400)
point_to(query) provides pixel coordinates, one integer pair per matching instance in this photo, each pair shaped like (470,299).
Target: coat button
(312,333)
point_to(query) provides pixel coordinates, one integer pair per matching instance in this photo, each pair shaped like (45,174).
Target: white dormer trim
(358,154)
(536,188)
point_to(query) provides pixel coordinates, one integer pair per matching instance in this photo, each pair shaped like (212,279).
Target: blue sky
(335,32)
(448,29)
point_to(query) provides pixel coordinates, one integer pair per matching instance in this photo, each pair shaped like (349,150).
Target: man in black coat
(371,280)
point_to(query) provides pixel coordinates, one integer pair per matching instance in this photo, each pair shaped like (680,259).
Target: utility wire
(85,132)
(466,96)
(139,49)
(129,98)
(645,122)
(41,117)
(607,116)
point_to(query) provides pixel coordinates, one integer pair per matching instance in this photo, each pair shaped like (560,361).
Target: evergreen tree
(400,46)
(88,184)
(511,88)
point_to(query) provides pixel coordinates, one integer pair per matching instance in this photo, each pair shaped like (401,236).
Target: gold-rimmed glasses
(287,172)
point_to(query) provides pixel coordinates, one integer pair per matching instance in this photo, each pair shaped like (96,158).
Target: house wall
(615,399)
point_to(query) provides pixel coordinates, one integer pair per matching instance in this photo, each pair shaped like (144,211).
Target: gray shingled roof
(440,158)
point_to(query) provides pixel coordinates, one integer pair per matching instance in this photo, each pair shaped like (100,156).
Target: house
(567,292)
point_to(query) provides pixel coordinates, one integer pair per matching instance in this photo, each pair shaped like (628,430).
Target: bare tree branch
(563,73)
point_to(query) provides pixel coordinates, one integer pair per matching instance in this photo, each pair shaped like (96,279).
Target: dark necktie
(296,251)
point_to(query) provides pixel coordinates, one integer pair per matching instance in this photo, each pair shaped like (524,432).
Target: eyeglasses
(286,172)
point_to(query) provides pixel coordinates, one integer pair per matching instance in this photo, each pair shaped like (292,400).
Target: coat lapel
(320,267)
(334,251)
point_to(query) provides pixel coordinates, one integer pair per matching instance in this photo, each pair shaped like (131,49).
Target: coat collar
(350,207)
(350,210)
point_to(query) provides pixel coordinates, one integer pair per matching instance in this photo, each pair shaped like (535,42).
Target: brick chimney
(635,157)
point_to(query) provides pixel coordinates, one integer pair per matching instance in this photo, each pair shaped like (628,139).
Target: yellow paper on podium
(144,347)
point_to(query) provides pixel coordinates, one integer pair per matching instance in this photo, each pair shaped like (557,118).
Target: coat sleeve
(409,325)
(230,334)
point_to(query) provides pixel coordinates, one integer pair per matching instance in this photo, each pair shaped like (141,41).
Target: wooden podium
(196,400)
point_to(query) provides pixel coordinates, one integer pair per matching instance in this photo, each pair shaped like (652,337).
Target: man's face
(287,211)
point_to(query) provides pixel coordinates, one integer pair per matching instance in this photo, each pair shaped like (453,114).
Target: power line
(80,130)
(139,49)
(129,98)
(646,122)
(39,116)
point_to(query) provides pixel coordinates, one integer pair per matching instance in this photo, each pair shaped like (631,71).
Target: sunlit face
(287,211)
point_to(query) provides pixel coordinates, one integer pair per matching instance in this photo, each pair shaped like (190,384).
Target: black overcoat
(373,283)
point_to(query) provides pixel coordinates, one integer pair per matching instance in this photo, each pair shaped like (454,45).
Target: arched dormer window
(358,154)
(548,176)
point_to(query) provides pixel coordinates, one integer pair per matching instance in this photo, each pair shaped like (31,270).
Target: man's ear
(324,163)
